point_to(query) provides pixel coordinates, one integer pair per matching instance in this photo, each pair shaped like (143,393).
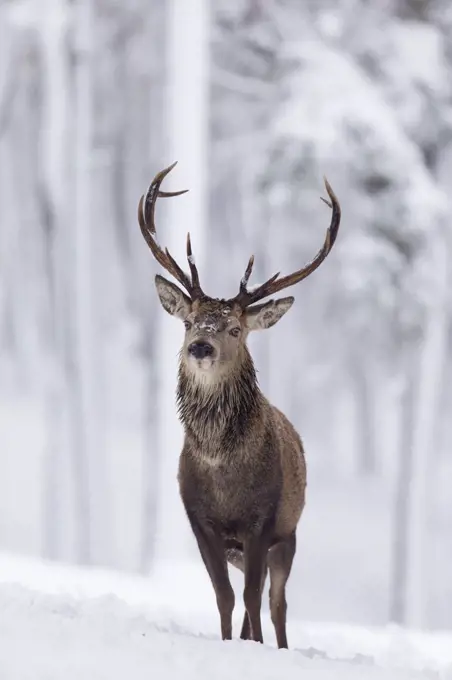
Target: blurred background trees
(257,100)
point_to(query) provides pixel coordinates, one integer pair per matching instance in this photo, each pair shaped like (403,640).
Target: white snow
(254,287)
(73,623)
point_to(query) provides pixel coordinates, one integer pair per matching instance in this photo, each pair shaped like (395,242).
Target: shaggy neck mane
(220,413)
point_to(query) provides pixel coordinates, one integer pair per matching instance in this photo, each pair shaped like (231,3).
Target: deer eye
(234,332)
(187,325)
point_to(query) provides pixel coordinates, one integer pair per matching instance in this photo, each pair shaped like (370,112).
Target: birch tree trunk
(51,189)
(398,592)
(364,396)
(432,364)
(84,449)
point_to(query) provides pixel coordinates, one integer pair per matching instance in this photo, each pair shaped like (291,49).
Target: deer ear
(266,315)
(173,299)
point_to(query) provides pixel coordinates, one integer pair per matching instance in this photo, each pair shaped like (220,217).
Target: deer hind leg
(212,552)
(235,557)
(280,558)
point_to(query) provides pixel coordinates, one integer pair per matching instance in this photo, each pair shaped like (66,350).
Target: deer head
(216,330)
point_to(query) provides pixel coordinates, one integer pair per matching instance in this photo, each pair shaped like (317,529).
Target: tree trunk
(398,604)
(187,106)
(365,419)
(84,453)
(55,393)
(413,494)
(150,470)
(432,364)
(51,191)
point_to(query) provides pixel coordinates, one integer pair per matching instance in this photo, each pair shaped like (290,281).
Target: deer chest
(230,495)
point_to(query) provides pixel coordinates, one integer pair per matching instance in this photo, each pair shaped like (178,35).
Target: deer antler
(146,219)
(274,284)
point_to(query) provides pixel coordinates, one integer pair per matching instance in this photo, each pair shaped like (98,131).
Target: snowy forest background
(256,99)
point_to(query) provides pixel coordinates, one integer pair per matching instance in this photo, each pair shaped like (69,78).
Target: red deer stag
(242,471)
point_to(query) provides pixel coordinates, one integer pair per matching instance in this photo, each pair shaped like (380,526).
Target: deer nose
(200,350)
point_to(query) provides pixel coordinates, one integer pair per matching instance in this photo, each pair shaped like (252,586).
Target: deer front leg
(255,553)
(214,557)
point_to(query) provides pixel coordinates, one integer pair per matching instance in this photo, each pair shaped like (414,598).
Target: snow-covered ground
(65,622)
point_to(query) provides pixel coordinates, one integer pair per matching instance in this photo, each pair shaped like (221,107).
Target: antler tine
(167,194)
(275,284)
(247,274)
(197,290)
(146,219)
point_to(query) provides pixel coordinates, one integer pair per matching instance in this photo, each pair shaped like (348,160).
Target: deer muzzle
(201,349)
